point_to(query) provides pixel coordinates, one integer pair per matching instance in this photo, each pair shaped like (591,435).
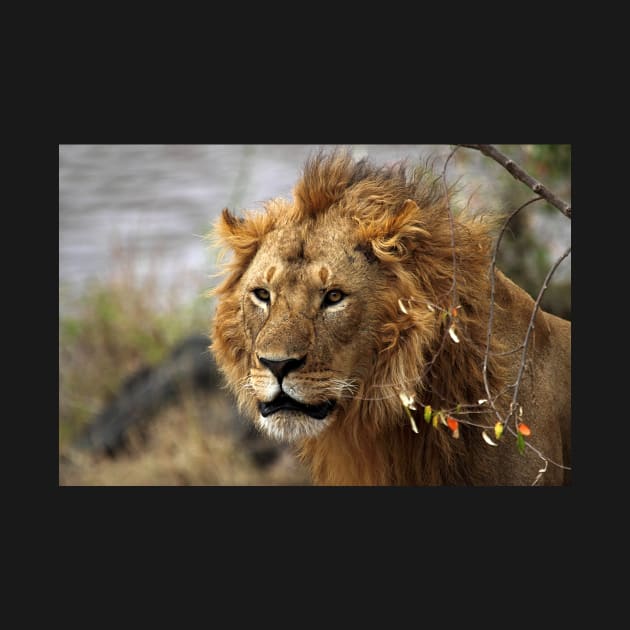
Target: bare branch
(542,456)
(515,410)
(519,173)
(541,472)
(493,265)
(452,225)
(530,327)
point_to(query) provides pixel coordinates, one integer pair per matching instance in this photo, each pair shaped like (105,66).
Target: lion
(353,322)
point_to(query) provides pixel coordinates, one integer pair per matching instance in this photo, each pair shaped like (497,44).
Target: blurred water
(150,205)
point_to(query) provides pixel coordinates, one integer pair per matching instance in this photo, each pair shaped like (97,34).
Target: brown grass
(180,449)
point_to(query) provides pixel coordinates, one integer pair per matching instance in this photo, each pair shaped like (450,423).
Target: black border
(422,528)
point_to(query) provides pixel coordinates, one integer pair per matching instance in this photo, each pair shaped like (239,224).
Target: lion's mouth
(319,412)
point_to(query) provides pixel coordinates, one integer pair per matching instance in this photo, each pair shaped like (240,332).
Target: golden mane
(415,240)
(435,265)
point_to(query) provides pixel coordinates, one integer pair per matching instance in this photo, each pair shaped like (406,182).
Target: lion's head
(338,301)
(334,297)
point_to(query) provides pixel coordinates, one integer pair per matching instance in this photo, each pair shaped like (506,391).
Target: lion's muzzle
(280,369)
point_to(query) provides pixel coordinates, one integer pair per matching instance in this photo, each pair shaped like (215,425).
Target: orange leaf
(523,429)
(452,423)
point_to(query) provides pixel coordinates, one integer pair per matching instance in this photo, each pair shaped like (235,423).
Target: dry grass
(179,449)
(114,330)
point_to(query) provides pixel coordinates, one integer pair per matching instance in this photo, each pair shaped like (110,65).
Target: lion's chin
(291,426)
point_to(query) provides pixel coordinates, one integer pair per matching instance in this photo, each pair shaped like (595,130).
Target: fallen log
(189,366)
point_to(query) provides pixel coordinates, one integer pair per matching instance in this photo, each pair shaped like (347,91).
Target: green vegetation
(553,160)
(114,329)
(524,254)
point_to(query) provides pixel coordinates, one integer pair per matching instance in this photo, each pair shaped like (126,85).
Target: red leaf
(452,423)
(523,429)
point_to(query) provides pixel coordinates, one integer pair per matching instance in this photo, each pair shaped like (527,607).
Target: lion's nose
(281,368)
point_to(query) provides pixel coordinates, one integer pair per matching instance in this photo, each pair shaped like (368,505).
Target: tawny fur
(402,227)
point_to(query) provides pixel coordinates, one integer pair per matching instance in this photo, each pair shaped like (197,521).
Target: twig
(452,226)
(491,313)
(516,171)
(530,327)
(541,472)
(509,429)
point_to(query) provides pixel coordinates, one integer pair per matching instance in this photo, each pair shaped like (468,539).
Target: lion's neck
(397,456)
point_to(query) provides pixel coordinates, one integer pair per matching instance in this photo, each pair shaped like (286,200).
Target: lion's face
(309,328)
(307,306)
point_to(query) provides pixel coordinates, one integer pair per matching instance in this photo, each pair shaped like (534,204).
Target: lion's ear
(392,236)
(228,227)
(240,235)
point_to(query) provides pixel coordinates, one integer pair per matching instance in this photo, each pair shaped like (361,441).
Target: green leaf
(520,443)
(427,413)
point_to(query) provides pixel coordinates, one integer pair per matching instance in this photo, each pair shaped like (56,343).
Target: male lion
(353,321)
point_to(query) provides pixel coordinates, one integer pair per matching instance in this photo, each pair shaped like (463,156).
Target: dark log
(189,366)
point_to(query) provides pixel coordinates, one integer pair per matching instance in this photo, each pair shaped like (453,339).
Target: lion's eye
(261,294)
(333,297)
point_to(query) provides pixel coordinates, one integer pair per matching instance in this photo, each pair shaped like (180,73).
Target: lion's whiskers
(344,387)
(244,384)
